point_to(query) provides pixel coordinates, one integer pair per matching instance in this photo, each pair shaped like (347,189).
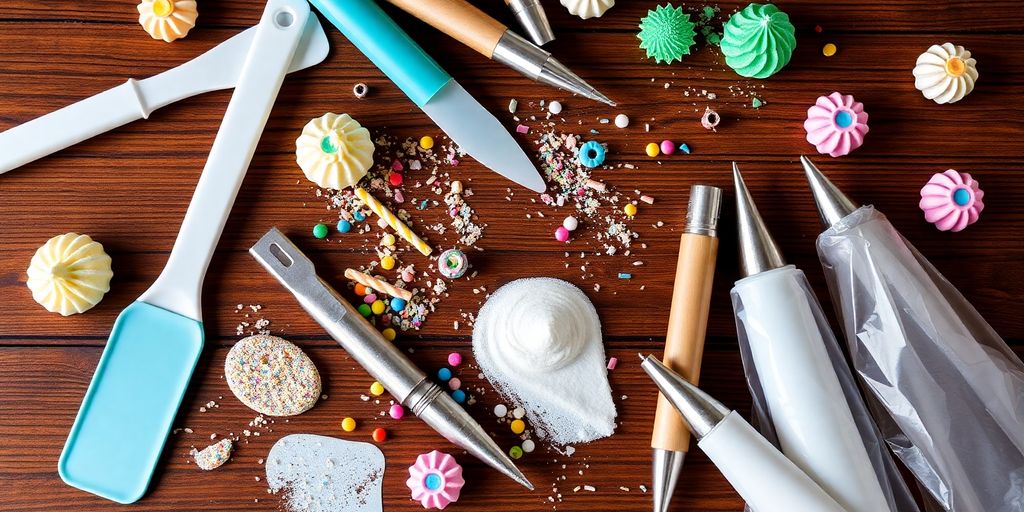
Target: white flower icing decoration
(945,74)
(588,8)
(334,151)
(69,274)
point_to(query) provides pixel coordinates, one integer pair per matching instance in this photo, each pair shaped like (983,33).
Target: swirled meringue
(334,151)
(168,19)
(587,9)
(758,41)
(945,74)
(69,274)
(836,124)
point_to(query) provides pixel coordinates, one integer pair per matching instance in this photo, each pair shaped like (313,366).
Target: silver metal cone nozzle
(832,203)
(456,425)
(667,466)
(703,210)
(758,250)
(701,412)
(532,61)
(531,16)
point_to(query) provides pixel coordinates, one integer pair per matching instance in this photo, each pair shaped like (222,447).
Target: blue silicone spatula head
(128,410)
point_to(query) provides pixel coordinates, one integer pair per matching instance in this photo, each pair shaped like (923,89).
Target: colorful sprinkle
(376,389)
(529,446)
(756,103)
(454,359)
(344,226)
(685,148)
(518,426)
(518,413)
(398,304)
(358,216)
(389,334)
(621,121)
(555,107)
(444,374)
(387,262)
(629,210)
(652,150)
(395,179)
(613,362)
(387,240)
(361,289)
(667,147)
(454,384)
(570,223)
(426,142)
(378,307)
(829,50)
(459,396)
(364,309)
(320,231)
(625,275)
(380,435)
(515,452)
(500,410)
(452,264)
(396,411)
(591,154)
(348,424)
(522,128)
(561,234)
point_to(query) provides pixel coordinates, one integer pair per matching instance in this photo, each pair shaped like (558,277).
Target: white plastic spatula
(141,378)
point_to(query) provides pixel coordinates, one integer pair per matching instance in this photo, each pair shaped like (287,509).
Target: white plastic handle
(761,474)
(179,286)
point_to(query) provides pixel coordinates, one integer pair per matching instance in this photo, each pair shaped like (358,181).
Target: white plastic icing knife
(218,68)
(142,375)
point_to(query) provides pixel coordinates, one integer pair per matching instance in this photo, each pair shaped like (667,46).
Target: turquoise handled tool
(468,123)
(144,371)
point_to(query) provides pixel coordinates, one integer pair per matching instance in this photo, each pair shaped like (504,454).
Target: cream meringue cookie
(168,19)
(946,73)
(334,151)
(69,274)
(588,8)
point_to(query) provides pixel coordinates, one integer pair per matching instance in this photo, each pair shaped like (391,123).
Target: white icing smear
(538,341)
(324,474)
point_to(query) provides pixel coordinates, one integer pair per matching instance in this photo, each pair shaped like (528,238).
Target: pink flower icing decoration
(836,124)
(951,200)
(435,480)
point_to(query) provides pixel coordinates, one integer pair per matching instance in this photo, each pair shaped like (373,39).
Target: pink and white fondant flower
(836,124)
(952,200)
(435,480)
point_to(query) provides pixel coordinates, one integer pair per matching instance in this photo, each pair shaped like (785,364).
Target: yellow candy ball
(389,334)
(348,424)
(652,150)
(387,262)
(387,240)
(829,50)
(518,426)
(426,142)
(377,307)
(376,389)
(630,209)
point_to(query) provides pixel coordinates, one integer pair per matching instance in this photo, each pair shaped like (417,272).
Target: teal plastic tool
(371,30)
(142,376)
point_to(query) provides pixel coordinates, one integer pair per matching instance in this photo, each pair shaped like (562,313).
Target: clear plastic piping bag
(946,390)
(798,407)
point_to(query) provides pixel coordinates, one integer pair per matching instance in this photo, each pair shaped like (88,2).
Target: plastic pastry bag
(892,484)
(950,392)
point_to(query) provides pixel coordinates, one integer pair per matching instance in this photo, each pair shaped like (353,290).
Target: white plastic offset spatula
(141,378)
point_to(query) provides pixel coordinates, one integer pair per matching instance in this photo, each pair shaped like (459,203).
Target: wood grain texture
(129,189)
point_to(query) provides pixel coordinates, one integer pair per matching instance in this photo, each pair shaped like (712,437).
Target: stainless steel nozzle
(758,250)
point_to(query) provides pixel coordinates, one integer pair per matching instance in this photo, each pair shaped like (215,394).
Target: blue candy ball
(344,226)
(359,216)
(444,374)
(591,154)
(459,396)
(397,304)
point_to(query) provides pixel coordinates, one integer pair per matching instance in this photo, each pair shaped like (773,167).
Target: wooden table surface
(129,189)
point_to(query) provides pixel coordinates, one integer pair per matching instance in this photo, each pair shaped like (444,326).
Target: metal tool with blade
(218,68)
(467,122)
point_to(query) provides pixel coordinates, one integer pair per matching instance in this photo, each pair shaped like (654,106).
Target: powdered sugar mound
(324,474)
(538,341)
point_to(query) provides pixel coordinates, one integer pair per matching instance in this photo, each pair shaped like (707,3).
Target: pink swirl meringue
(836,124)
(435,480)
(951,200)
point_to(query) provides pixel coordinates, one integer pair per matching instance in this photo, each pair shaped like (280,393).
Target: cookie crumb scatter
(213,456)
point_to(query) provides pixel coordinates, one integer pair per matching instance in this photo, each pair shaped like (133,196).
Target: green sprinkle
(515,452)
(756,103)
(364,309)
(320,231)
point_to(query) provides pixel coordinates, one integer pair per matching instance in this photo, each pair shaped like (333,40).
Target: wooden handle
(458,19)
(687,324)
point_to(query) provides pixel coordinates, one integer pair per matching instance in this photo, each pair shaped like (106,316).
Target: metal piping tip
(555,73)
(701,412)
(758,250)
(531,16)
(533,61)
(667,466)
(832,203)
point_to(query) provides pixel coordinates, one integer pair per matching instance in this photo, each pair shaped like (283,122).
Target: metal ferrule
(703,210)
(701,412)
(832,203)
(532,61)
(533,19)
(758,250)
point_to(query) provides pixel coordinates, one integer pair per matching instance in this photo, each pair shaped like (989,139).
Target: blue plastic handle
(371,30)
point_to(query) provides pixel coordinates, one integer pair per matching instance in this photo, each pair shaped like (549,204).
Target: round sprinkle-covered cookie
(272,376)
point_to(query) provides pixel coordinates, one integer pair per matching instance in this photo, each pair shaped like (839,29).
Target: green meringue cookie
(758,41)
(666,33)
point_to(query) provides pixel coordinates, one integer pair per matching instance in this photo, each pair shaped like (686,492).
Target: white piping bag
(793,366)
(948,391)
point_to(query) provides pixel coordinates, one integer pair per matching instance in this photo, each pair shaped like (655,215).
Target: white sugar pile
(319,473)
(538,341)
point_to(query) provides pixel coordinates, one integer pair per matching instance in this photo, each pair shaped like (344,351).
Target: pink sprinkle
(399,198)
(613,362)
(454,359)
(396,411)
(396,165)
(668,147)
(523,128)
(562,234)
(369,299)
(453,162)
(407,276)
(454,383)
(385,320)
